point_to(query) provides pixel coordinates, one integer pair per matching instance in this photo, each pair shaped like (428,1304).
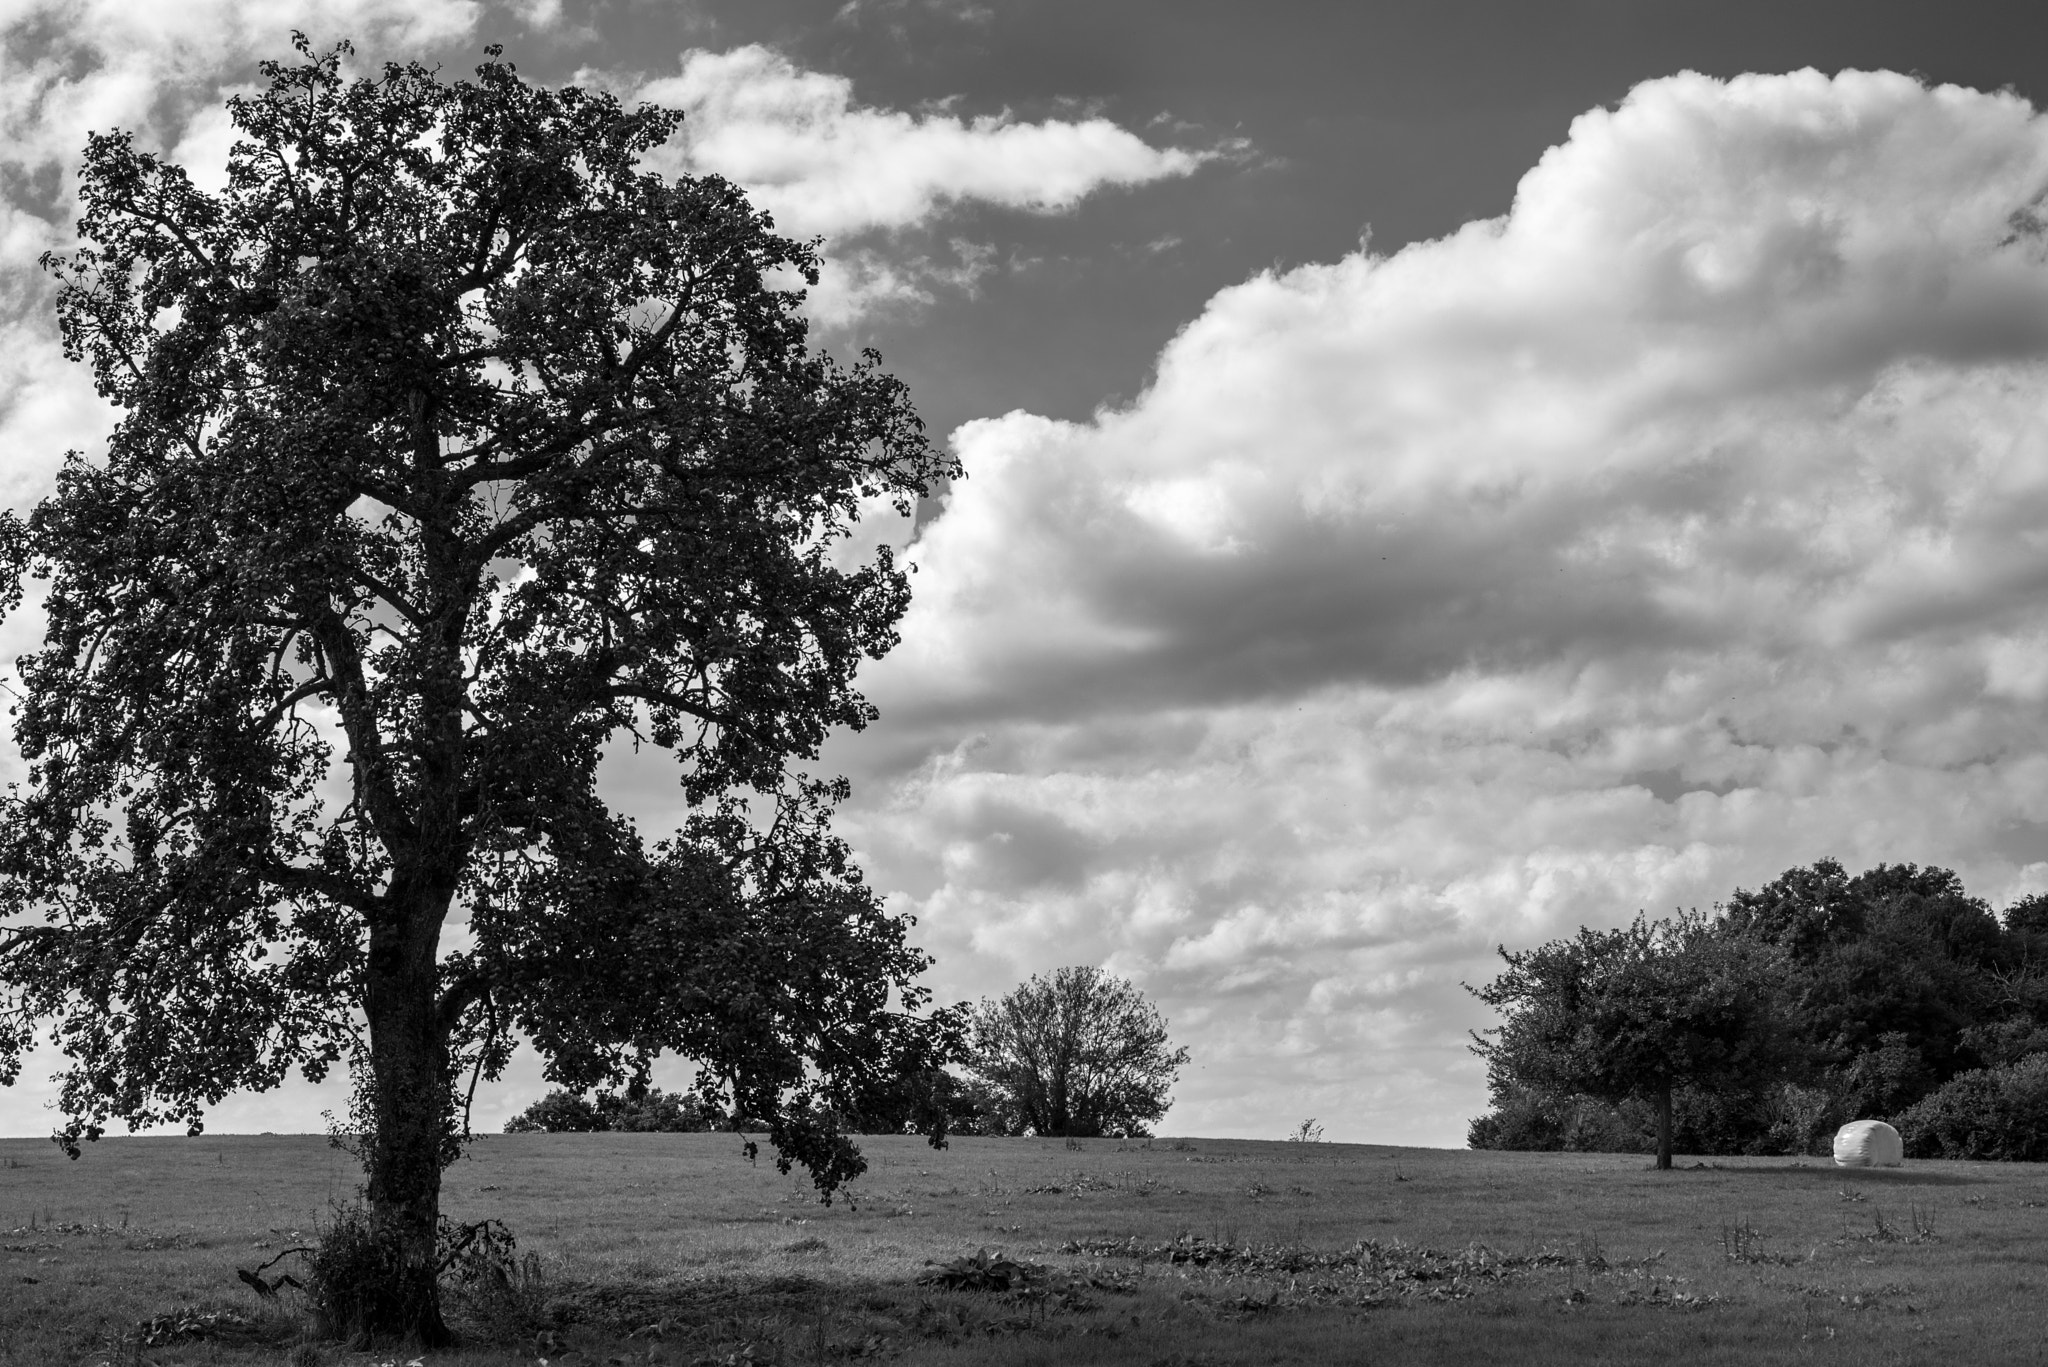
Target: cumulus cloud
(863,178)
(823,164)
(1679,526)
(70,66)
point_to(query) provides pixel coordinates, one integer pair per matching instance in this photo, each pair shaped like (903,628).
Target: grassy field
(672,1248)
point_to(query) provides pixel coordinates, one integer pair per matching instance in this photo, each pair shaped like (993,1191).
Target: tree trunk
(1664,1128)
(409,1108)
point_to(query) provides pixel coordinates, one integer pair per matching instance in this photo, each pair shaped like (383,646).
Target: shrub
(667,1112)
(1529,1118)
(352,1278)
(558,1112)
(350,1281)
(1994,1113)
(563,1112)
(1783,1119)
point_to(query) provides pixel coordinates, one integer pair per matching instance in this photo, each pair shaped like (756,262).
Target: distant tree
(1892,983)
(976,1106)
(915,1100)
(559,1112)
(638,1110)
(453,444)
(1896,978)
(1077,1053)
(1637,1012)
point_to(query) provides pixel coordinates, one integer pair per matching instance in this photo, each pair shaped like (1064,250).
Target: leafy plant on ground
(1884,1231)
(160,1331)
(983,1271)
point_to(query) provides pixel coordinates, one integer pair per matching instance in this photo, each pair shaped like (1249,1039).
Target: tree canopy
(634,1110)
(1897,995)
(1637,1011)
(453,448)
(1078,1052)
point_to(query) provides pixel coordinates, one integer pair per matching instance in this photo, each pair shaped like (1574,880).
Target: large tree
(452,447)
(1076,1052)
(1637,1011)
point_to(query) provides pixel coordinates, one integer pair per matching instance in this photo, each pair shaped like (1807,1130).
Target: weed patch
(187,1326)
(1883,1231)
(981,1271)
(1742,1242)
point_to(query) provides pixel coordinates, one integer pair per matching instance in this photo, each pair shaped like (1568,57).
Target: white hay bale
(1868,1144)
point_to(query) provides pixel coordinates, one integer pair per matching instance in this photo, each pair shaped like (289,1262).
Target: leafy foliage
(1893,959)
(1994,1113)
(637,1110)
(355,1281)
(1890,985)
(1636,1012)
(1077,1053)
(452,446)
(1781,1118)
(982,1271)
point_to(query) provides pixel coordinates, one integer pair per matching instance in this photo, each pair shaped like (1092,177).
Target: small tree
(1635,1012)
(452,445)
(1078,1053)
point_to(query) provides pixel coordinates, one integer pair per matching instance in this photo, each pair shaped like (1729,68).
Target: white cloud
(861,281)
(823,164)
(71,66)
(1678,527)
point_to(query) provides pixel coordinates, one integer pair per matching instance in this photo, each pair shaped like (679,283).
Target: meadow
(662,1248)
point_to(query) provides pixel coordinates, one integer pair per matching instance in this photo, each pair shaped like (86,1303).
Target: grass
(1209,1253)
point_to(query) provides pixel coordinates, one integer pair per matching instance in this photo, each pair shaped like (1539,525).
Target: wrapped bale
(1868,1144)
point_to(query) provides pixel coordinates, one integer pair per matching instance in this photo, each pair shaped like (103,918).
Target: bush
(562,1112)
(1987,1113)
(1785,1119)
(1527,1118)
(556,1113)
(353,1281)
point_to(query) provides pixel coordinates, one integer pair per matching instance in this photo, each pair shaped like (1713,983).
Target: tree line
(1820,998)
(1078,1053)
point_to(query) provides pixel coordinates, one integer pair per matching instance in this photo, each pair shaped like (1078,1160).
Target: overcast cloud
(1678,527)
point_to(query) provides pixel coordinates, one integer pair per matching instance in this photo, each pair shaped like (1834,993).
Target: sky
(1437,475)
